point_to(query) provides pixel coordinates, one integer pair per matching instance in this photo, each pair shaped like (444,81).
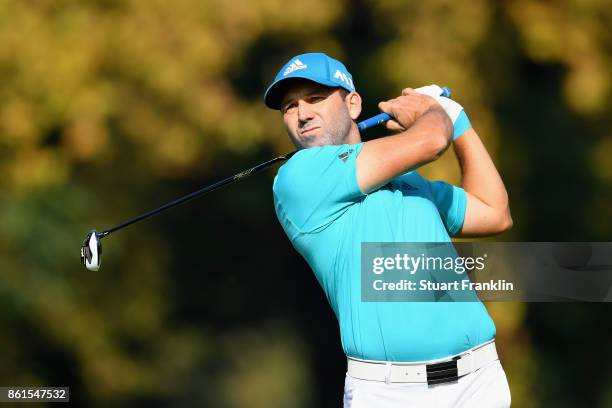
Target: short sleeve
(451,202)
(316,186)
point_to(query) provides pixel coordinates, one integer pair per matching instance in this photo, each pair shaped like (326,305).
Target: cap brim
(275,92)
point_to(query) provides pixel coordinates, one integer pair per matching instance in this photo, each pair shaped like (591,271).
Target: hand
(406,109)
(461,123)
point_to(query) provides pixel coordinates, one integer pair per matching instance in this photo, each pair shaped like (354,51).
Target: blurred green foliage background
(111,107)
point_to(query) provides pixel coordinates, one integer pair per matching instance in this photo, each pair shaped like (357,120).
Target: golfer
(337,192)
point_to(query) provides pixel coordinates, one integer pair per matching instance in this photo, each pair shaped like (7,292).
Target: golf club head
(91,251)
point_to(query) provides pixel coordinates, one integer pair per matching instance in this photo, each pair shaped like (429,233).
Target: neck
(353,136)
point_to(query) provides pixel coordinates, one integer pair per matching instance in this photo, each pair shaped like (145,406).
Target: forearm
(480,177)
(386,158)
(424,141)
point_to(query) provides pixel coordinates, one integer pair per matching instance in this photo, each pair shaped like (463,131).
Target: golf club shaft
(195,194)
(373,121)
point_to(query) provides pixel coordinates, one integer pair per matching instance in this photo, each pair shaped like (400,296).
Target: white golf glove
(452,108)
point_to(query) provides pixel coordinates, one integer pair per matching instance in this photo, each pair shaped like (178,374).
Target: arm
(487,209)
(425,132)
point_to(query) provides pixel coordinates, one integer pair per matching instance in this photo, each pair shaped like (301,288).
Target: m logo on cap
(344,78)
(295,65)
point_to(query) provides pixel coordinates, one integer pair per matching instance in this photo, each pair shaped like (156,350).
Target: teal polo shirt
(327,217)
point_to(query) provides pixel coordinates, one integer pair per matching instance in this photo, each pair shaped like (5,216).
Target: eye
(288,108)
(316,98)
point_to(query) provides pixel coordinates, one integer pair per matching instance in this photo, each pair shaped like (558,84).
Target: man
(337,192)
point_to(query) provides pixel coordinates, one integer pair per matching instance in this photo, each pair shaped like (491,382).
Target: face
(316,115)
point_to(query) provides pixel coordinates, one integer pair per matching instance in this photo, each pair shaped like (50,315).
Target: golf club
(91,250)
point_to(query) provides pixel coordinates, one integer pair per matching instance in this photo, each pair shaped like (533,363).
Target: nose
(305,112)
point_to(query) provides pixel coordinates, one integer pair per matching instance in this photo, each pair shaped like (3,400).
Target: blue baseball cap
(316,67)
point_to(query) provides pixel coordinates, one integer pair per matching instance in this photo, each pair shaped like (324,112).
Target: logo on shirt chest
(344,156)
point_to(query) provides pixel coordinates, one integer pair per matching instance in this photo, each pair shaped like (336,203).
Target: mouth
(308,130)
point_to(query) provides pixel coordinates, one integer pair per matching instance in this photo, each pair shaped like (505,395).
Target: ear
(353,103)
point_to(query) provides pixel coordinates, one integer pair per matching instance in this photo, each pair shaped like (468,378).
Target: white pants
(484,388)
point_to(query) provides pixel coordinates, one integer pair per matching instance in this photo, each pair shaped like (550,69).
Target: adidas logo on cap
(294,66)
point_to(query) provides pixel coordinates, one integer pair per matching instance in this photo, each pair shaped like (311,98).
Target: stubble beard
(335,134)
